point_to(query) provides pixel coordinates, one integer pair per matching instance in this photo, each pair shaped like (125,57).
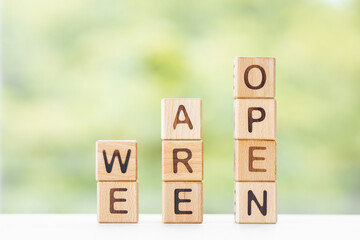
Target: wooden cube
(254,77)
(255,160)
(116,160)
(255,119)
(182,202)
(117,202)
(182,160)
(181,118)
(255,202)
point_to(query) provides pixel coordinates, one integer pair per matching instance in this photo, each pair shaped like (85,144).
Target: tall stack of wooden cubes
(182,160)
(117,188)
(255,194)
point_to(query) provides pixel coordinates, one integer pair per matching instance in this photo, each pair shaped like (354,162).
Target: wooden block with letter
(116,160)
(254,77)
(117,202)
(255,119)
(182,160)
(255,160)
(182,202)
(181,118)
(255,202)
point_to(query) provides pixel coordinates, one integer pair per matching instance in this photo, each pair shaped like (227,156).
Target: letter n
(263,208)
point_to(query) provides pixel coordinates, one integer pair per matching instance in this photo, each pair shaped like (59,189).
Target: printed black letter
(116,154)
(251,120)
(178,201)
(263,208)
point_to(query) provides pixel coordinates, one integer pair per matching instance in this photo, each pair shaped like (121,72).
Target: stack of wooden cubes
(182,160)
(117,188)
(254,145)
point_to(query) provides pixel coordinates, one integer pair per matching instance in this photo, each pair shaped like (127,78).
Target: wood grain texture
(254,77)
(255,119)
(182,202)
(254,160)
(182,160)
(247,211)
(117,202)
(105,171)
(181,118)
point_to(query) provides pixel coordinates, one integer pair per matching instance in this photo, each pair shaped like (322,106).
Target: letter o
(263,77)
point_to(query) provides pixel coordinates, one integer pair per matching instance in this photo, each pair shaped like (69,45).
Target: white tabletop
(215,226)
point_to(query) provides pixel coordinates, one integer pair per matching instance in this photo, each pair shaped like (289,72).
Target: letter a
(186,120)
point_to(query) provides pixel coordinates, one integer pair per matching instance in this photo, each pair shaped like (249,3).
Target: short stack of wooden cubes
(117,188)
(255,194)
(182,160)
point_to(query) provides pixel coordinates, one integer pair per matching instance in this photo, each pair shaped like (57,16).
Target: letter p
(251,119)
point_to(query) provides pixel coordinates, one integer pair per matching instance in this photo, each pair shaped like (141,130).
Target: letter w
(116,154)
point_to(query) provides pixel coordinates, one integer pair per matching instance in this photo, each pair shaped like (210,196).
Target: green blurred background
(77,71)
